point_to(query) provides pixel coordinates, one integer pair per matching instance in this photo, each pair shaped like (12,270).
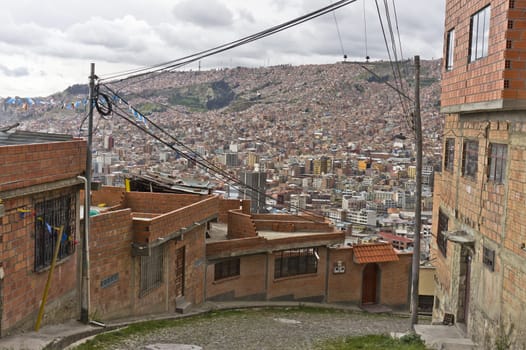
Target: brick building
(479,223)
(301,258)
(39,196)
(149,252)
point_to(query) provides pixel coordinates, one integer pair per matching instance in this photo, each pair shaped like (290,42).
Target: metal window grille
(51,217)
(227,268)
(470,158)
(449,156)
(498,154)
(443,221)
(488,258)
(152,270)
(296,262)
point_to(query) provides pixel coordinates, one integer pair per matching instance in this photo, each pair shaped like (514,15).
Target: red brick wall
(224,206)
(240,225)
(28,165)
(149,202)
(483,80)
(250,284)
(22,287)
(394,281)
(148,228)
(309,286)
(291,226)
(394,277)
(110,253)
(344,287)
(110,196)
(195,265)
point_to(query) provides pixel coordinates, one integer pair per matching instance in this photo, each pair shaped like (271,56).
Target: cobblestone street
(266,329)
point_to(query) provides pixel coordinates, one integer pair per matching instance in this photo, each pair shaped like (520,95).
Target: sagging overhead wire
(395,66)
(177,63)
(187,153)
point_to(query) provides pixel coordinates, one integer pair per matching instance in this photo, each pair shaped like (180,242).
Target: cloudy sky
(46,46)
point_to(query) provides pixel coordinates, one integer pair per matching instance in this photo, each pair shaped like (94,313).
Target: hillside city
(330,139)
(196,191)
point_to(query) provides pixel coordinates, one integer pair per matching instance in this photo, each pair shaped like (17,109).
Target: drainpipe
(85,285)
(2,275)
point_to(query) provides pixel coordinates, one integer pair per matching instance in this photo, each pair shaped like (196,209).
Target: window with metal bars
(443,221)
(296,262)
(497,162)
(53,217)
(152,268)
(449,156)
(470,154)
(488,258)
(226,269)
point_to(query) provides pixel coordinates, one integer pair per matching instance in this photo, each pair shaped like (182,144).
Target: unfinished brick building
(480,197)
(39,196)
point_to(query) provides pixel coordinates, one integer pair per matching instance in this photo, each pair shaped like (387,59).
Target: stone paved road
(267,329)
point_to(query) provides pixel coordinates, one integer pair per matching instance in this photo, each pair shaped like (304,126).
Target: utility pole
(85,292)
(418,205)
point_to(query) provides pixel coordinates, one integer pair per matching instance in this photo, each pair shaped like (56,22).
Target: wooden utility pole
(84,301)
(418,205)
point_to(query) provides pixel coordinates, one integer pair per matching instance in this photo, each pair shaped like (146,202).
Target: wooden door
(179,272)
(369,284)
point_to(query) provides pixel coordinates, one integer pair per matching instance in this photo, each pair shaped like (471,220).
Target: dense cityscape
(331,139)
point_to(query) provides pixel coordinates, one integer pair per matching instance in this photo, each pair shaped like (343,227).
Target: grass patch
(374,342)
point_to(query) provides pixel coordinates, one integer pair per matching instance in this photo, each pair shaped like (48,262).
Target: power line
(190,155)
(177,63)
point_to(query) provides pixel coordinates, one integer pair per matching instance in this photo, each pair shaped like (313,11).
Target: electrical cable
(215,171)
(365,33)
(174,64)
(409,122)
(339,34)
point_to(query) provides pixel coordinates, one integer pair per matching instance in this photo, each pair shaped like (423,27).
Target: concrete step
(182,307)
(442,337)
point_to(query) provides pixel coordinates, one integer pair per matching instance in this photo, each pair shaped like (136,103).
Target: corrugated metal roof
(374,253)
(20,137)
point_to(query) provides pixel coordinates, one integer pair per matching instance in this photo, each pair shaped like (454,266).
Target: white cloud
(44,49)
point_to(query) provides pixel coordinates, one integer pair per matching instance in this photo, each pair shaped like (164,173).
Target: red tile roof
(374,253)
(392,237)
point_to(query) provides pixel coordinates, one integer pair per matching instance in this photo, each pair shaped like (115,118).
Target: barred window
(497,162)
(449,156)
(488,258)
(152,270)
(296,262)
(227,268)
(443,221)
(470,157)
(52,217)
